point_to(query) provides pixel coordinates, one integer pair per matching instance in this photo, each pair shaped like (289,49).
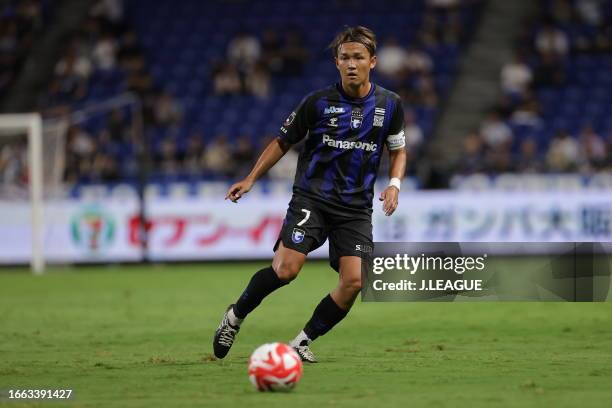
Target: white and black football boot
(303,350)
(224,336)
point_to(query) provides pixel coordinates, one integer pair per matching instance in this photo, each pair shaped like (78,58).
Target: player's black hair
(358,34)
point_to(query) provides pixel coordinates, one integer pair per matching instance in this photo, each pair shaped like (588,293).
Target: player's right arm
(294,129)
(268,158)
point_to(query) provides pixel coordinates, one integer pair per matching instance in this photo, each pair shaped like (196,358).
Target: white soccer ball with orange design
(275,367)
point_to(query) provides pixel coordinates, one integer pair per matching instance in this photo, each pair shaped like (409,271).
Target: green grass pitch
(140,336)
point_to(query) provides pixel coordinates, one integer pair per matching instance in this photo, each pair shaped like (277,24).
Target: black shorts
(310,222)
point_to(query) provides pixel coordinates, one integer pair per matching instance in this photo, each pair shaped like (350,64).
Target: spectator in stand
(257,81)
(414,140)
(271,54)
(528,159)
(551,41)
(527,114)
(412,133)
(589,12)
(167,111)
(592,149)
(193,160)
(226,80)
(129,51)
(218,157)
(516,77)
(168,157)
(80,151)
(392,60)
(110,10)
(472,157)
(417,62)
(294,54)
(495,132)
(285,168)
(244,51)
(563,153)
(499,159)
(105,52)
(243,157)
(13,164)
(73,63)
(104,168)
(425,88)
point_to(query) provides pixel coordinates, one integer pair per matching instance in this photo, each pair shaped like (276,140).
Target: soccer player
(346,126)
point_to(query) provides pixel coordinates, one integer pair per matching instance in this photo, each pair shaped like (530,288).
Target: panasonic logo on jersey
(346,145)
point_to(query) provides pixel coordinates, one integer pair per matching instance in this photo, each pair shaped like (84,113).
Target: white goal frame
(32,124)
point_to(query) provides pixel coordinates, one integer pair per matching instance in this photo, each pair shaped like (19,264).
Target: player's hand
(390,199)
(237,190)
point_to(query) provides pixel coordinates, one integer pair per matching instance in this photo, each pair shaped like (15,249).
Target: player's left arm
(396,144)
(390,195)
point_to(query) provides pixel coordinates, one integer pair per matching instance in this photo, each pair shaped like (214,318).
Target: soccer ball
(275,367)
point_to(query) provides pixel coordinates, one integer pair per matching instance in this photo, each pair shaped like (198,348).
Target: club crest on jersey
(298,235)
(356,118)
(289,120)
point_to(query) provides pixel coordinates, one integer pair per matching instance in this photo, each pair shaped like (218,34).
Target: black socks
(326,315)
(261,285)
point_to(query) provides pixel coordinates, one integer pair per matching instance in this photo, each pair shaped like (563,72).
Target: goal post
(31,123)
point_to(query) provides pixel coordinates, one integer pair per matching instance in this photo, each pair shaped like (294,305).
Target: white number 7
(305,218)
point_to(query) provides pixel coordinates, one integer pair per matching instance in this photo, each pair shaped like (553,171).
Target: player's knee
(287,270)
(352,285)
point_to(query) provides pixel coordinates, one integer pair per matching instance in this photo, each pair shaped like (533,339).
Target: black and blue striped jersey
(345,138)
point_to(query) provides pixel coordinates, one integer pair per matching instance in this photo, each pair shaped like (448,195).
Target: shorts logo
(298,235)
(363,248)
(289,120)
(333,109)
(356,118)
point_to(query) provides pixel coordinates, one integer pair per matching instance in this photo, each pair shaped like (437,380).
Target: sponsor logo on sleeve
(289,119)
(379,117)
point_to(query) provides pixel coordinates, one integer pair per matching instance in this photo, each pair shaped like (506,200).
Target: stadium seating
(585,97)
(182,40)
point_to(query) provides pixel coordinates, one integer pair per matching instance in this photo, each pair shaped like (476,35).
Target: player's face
(354,63)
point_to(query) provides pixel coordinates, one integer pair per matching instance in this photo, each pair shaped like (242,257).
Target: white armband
(395,182)
(396,141)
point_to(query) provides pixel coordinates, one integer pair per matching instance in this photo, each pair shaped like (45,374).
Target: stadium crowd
(105,57)
(516,135)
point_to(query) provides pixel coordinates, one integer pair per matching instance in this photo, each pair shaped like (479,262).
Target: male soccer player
(346,127)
